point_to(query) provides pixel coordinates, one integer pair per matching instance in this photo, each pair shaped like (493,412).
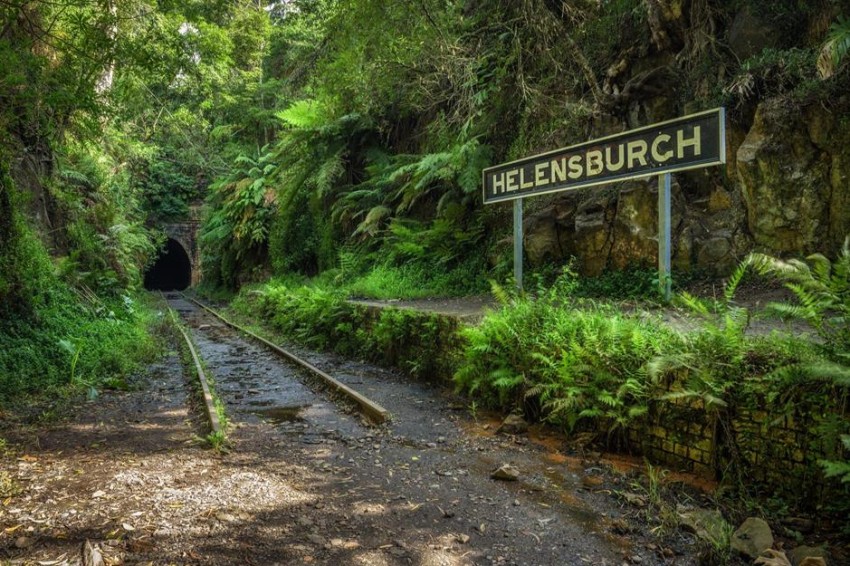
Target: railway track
(252,379)
(416,490)
(371,410)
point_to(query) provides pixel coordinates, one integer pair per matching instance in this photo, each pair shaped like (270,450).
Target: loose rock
(707,524)
(771,557)
(513,424)
(505,472)
(814,555)
(753,537)
(23,542)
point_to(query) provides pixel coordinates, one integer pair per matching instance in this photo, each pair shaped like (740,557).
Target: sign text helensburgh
(684,143)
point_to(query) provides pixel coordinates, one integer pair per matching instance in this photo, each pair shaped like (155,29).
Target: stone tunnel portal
(172,270)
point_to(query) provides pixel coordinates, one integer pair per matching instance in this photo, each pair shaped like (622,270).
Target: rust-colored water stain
(628,464)
(484,425)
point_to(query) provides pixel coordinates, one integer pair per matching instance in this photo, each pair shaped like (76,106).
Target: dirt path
(305,483)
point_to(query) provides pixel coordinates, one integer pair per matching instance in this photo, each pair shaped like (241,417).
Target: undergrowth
(69,339)
(422,344)
(416,280)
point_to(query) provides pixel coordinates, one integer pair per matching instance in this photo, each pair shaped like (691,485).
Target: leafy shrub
(578,361)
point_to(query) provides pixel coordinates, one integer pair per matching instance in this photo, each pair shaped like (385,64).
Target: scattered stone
(707,524)
(505,472)
(462,539)
(753,537)
(513,424)
(318,540)
(24,542)
(814,554)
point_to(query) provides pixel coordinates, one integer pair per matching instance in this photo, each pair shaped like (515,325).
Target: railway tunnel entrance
(172,270)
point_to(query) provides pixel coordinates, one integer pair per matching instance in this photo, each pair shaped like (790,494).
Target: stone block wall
(770,453)
(680,434)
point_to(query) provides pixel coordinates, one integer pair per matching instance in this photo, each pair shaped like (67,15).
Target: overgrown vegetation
(67,339)
(422,344)
(72,236)
(585,366)
(372,146)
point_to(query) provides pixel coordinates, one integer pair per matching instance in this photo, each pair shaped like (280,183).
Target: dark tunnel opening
(172,270)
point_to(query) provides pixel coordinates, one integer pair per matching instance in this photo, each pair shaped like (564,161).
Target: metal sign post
(665,279)
(681,144)
(518,243)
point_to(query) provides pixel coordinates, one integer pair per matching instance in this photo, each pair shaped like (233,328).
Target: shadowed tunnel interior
(172,270)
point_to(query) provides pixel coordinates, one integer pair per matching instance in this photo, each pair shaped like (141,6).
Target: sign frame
(720,159)
(664,188)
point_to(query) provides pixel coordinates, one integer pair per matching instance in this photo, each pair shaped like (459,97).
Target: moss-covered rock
(786,182)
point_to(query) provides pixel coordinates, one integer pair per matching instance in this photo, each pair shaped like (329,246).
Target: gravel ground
(306,482)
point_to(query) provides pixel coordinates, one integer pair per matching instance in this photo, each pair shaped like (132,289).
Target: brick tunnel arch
(172,270)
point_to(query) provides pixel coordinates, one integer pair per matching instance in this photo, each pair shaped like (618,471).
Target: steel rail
(209,404)
(373,411)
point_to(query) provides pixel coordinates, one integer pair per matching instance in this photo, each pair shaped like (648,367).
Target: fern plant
(822,289)
(397,184)
(835,48)
(838,469)
(711,360)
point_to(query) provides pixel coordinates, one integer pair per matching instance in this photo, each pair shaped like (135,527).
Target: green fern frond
(303,114)
(734,281)
(835,48)
(692,303)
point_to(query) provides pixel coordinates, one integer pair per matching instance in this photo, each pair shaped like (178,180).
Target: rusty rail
(209,403)
(373,411)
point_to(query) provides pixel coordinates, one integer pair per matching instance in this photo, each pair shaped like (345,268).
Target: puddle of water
(280,415)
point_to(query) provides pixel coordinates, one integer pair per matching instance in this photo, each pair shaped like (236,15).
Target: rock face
(750,34)
(752,538)
(785,183)
(785,190)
